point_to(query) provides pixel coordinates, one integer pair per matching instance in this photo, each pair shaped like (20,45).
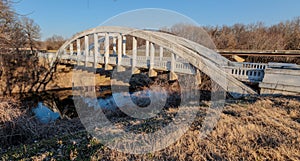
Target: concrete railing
(246,74)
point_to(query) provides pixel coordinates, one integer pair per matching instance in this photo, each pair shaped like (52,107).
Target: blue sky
(67,17)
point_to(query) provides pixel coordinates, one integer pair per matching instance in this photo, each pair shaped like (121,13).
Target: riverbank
(257,129)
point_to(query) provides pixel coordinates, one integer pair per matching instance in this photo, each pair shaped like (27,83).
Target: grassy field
(265,128)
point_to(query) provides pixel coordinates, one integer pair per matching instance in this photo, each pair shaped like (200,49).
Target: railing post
(78,51)
(161,53)
(96,52)
(152,72)
(147,49)
(86,49)
(124,44)
(172,75)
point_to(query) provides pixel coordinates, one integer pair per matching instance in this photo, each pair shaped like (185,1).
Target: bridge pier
(198,77)
(124,44)
(96,51)
(134,69)
(172,75)
(161,53)
(114,46)
(71,48)
(78,51)
(86,49)
(147,49)
(120,68)
(152,72)
(106,54)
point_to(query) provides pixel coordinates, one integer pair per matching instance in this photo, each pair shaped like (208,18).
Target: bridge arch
(198,56)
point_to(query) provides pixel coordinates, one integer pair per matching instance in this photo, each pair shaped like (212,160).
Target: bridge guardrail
(251,65)
(246,74)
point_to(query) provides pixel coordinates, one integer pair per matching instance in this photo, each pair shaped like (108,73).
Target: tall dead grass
(264,130)
(18,124)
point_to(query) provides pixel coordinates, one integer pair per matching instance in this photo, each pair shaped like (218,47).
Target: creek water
(44,114)
(50,106)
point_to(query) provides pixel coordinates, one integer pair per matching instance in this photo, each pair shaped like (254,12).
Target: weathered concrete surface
(281,81)
(66,77)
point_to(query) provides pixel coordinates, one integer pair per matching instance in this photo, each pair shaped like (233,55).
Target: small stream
(50,106)
(44,114)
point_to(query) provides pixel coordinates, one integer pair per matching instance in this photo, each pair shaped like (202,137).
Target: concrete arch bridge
(106,46)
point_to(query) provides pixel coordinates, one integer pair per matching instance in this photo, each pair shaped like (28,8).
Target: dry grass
(18,125)
(266,129)
(15,123)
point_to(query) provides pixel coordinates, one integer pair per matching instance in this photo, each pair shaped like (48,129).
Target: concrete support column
(119,62)
(172,75)
(176,57)
(96,51)
(119,49)
(147,48)
(106,50)
(161,53)
(134,55)
(71,48)
(198,77)
(65,51)
(78,51)
(86,49)
(124,45)
(114,46)
(152,72)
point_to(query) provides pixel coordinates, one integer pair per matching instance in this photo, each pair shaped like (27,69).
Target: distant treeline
(257,36)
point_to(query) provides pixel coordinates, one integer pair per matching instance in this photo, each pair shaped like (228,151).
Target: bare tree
(7,25)
(32,32)
(257,36)
(54,42)
(191,32)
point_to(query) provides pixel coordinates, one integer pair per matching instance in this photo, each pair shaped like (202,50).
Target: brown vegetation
(18,125)
(54,42)
(262,129)
(282,36)
(257,36)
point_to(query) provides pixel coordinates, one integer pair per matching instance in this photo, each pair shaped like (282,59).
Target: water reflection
(44,114)
(116,100)
(51,105)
